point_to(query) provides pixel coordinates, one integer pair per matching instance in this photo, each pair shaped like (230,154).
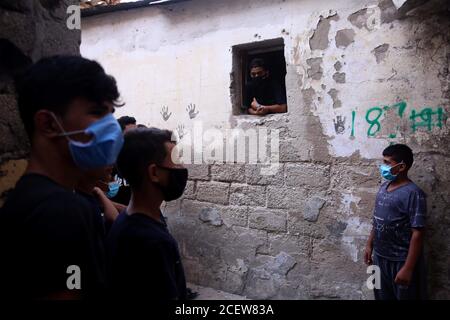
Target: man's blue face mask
(386,173)
(104,147)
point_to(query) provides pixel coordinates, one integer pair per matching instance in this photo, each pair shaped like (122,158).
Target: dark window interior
(272,51)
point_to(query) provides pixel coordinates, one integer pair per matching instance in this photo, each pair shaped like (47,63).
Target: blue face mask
(113,189)
(104,147)
(386,173)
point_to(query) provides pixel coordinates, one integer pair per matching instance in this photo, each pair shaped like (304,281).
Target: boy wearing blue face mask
(49,240)
(396,240)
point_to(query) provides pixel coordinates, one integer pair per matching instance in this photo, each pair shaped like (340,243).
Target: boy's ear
(152,173)
(45,124)
(403,167)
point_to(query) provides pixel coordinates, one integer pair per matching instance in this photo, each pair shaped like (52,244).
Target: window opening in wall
(258,78)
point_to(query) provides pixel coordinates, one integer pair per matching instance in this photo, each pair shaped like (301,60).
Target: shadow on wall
(12,62)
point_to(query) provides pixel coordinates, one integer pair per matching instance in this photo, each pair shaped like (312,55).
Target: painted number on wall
(426,117)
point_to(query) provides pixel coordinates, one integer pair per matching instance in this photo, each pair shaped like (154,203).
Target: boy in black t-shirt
(143,257)
(48,238)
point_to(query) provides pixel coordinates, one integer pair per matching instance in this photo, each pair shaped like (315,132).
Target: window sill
(259,120)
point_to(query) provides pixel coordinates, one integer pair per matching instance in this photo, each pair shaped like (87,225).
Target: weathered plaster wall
(358,78)
(29,30)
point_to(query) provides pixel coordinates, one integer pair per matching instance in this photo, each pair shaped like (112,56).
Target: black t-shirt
(143,260)
(99,219)
(269,92)
(44,229)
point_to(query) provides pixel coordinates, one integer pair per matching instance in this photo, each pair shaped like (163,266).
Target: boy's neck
(401,180)
(55,169)
(145,204)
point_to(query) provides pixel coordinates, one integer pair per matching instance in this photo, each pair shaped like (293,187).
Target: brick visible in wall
(214,192)
(198,171)
(253,175)
(228,172)
(286,197)
(311,175)
(247,195)
(268,219)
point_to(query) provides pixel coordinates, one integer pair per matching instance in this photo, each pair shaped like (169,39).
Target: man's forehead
(257,69)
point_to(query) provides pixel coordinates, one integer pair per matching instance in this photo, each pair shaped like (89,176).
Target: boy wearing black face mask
(396,239)
(144,260)
(263,94)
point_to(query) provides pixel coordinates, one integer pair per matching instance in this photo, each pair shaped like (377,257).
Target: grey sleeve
(418,210)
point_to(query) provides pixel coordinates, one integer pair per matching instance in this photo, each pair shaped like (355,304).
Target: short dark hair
(126,120)
(142,146)
(258,62)
(54,82)
(400,153)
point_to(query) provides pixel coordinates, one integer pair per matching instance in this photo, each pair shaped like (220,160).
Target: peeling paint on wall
(344,38)
(339,77)
(319,40)
(380,52)
(333,93)
(315,71)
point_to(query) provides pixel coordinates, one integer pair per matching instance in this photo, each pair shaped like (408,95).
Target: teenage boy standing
(47,231)
(143,258)
(397,236)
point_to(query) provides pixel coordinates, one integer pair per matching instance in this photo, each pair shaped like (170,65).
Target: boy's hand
(404,276)
(368,255)
(98,192)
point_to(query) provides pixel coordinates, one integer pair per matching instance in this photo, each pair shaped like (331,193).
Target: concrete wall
(358,78)
(29,30)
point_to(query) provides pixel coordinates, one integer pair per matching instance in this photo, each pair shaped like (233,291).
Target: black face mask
(177,183)
(258,81)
